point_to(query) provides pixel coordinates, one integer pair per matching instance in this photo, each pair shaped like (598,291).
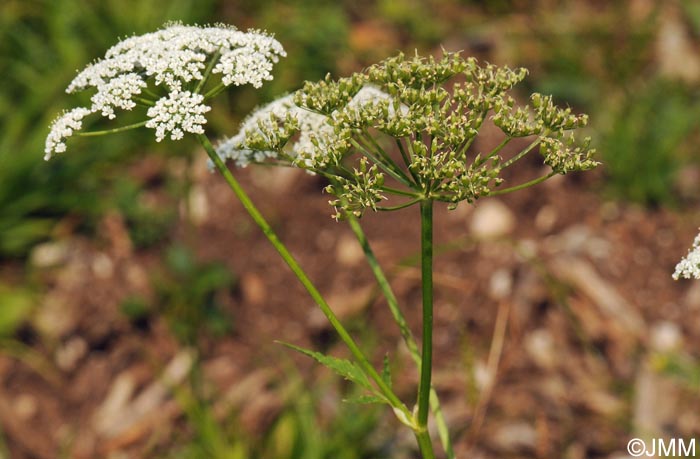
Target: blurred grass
(190,295)
(297,432)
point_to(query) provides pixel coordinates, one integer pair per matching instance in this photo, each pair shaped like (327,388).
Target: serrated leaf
(367,399)
(344,368)
(386,371)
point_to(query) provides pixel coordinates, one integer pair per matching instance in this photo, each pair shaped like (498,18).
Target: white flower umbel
(173,72)
(689,267)
(177,113)
(117,93)
(63,127)
(315,132)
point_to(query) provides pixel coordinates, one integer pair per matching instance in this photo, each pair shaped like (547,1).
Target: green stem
(207,72)
(425,445)
(145,102)
(522,153)
(385,167)
(426,218)
(111,131)
(303,278)
(148,92)
(384,285)
(500,146)
(400,206)
(391,190)
(522,185)
(214,91)
(464,148)
(406,333)
(404,153)
(390,162)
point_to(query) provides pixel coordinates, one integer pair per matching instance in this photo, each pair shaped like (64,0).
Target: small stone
(609,211)
(253,289)
(666,337)
(676,56)
(540,346)
(68,355)
(492,219)
(198,205)
(500,284)
(546,218)
(482,376)
(137,276)
(515,437)
(25,406)
(55,317)
(49,254)
(348,251)
(103,266)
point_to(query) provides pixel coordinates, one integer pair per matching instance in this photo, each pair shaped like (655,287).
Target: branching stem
(303,278)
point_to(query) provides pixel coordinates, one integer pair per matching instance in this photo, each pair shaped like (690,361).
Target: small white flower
(316,132)
(245,65)
(63,127)
(689,267)
(311,125)
(370,94)
(177,113)
(235,149)
(117,92)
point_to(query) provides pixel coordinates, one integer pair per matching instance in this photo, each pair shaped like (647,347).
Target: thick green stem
(426,218)
(303,278)
(425,445)
(406,333)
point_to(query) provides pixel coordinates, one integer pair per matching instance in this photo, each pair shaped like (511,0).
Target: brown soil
(583,284)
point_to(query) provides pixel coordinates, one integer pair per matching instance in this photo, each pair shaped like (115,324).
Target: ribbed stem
(426,219)
(425,445)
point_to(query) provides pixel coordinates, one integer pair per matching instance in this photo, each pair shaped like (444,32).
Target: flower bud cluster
(166,71)
(563,155)
(413,106)
(356,194)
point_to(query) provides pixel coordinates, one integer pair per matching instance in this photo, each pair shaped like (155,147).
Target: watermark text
(661,447)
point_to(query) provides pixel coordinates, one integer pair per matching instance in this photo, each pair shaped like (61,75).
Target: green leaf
(344,368)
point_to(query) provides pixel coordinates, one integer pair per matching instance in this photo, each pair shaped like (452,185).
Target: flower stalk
(303,278)
(426,223)
(406,333)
